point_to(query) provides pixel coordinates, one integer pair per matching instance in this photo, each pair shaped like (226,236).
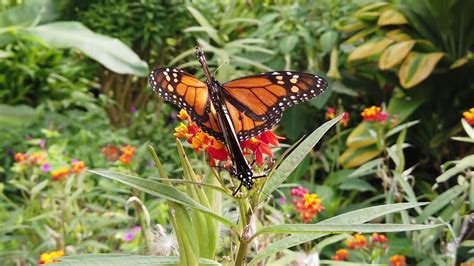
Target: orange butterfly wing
(183,90)
(267,95)
(255,103)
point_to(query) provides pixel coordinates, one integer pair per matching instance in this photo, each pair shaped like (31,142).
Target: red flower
(127,154)
(260,145)
(374,114)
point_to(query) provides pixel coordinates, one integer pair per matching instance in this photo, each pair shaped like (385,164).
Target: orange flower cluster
(467,264)
(331,113)
(127,153)
(356,241)
(200,140)
(60,173)
(35,158)
(398,260)
(374,114)
(341,254)
(307,205)
(469,116)
(49,258)
(77,167)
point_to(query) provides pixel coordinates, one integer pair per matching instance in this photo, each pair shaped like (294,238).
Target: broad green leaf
(403,106)
(417,67)
(353,217)
(398,35)
(29,12)
(16,116)
(161,190)
(369,49)
(440,202)
(125,260)
(349,24)
(328,40)
(343,228)
(353,157)
(373,6)
(395,54)
(360,35)
(286,167)
(110,52)
(391,17)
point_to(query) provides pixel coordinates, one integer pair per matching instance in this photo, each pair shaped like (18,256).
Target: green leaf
(199,17)
(110,52)
(288,43)
(343,228)
(369,49)
(328,40)
(395,54)
(468,128)
(286,167)
(391,17)
(355,184)
(161,190)
(125,260)
(16,116)
(28,12)
(353,217)
(417,67)
(460,166)
(440,202)
(353,157)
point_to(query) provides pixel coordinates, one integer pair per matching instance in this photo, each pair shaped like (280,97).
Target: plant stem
(242,252)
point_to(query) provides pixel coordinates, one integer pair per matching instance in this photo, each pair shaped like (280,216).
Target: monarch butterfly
(236,110)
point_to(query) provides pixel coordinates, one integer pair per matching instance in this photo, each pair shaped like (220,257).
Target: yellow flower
(183,115)
(48,258)
(181,131)
(469,116)
(60,173)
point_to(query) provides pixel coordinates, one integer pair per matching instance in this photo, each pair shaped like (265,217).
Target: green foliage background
(79,104)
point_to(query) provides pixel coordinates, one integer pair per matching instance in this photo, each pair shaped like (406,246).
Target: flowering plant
(196,213)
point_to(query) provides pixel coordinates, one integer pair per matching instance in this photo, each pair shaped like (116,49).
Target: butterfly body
(236,110)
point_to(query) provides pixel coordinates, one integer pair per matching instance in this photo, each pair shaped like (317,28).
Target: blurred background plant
(84,95)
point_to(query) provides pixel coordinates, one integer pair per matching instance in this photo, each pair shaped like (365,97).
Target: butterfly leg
(237,190)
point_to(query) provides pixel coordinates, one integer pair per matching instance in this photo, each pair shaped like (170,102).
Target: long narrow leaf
(295,157)
(353,217)
(161,190)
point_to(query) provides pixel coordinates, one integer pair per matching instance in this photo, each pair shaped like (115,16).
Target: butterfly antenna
(215,71)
